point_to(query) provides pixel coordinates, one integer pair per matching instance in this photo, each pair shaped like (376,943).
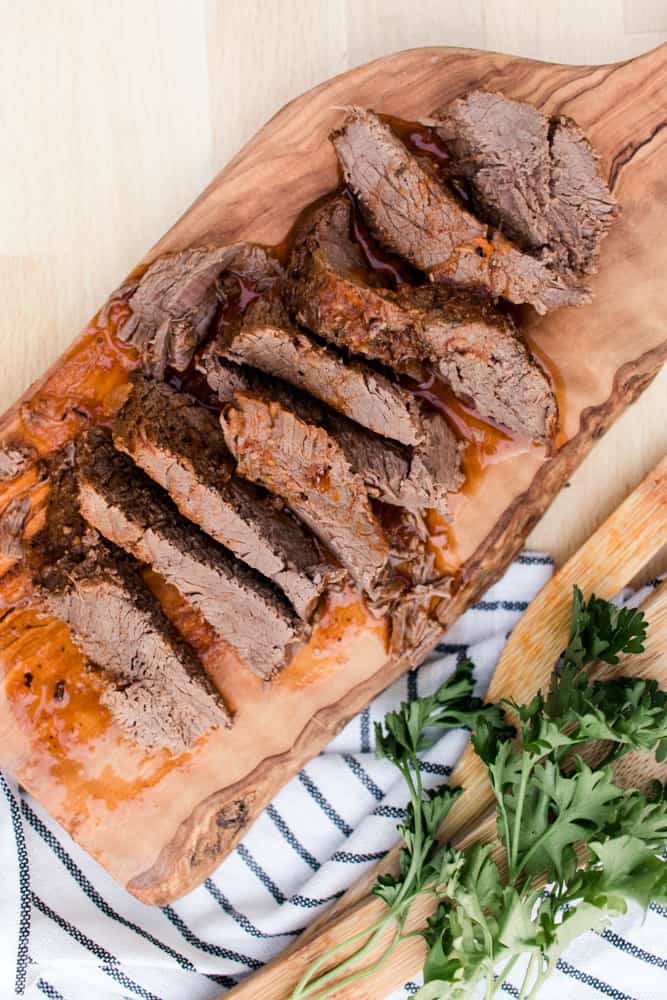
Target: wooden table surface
(115,116)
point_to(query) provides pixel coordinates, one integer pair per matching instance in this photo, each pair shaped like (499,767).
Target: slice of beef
(501,147)
(415,478)
(402,200)
(128,510)
(473,346)
(14,460)
(411,212)
(266,339)
(12,521)
(156,688)
(582,208)
(174,302)
(158,692)
(535,177)
(180,446)
(304,465)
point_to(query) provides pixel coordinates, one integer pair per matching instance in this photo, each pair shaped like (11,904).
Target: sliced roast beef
(156,688)
(180,446)
(411,212)
(304,465)
(128,510)
(12,521)
(472,345)
(415,478)
(582,207)
(174,302)
(536,178)
(158,693)
(266,339)
(14,460)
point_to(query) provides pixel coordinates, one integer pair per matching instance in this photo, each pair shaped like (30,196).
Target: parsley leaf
(623,868)
(600,630)
(460,935)
(415,726)
(573,808)
(627,711)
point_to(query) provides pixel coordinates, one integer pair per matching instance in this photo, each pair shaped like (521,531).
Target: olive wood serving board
(160,824)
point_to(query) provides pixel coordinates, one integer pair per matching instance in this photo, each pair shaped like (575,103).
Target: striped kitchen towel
(68,931)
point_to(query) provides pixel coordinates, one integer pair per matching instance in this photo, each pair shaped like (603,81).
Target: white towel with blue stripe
(67,930)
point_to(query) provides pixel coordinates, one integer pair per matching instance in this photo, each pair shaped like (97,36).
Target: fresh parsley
(601,630)
(574,846)
(405,734)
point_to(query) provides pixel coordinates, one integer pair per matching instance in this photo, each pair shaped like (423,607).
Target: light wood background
(114,116)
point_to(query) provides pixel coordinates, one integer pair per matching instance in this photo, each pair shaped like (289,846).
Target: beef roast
(472,345)
(412,477)
(536,178)
(411,212)
(304,465)
(266,339)
(155,687)
(128,510)
(180,446)
(174,302)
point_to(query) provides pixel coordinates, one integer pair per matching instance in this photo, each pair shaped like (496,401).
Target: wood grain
(622,545)
(178,818)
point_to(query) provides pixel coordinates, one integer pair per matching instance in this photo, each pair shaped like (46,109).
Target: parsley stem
(338,969)
(363,973)
(307,985)
(502,976)
(525,990)
(416,793)
(526,768)
(300,987)
(502,809)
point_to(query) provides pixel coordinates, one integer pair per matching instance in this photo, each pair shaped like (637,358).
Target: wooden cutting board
(160,824)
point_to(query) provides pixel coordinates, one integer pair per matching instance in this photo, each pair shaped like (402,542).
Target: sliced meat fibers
(14,460)
(156,688)
(333,293)
(128,510)
(415,478)
(470,344)
(536,178)
(158,694)
(12,522)
(266,339)
(412,213)
(174,303)
(305,466)
(181,447)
